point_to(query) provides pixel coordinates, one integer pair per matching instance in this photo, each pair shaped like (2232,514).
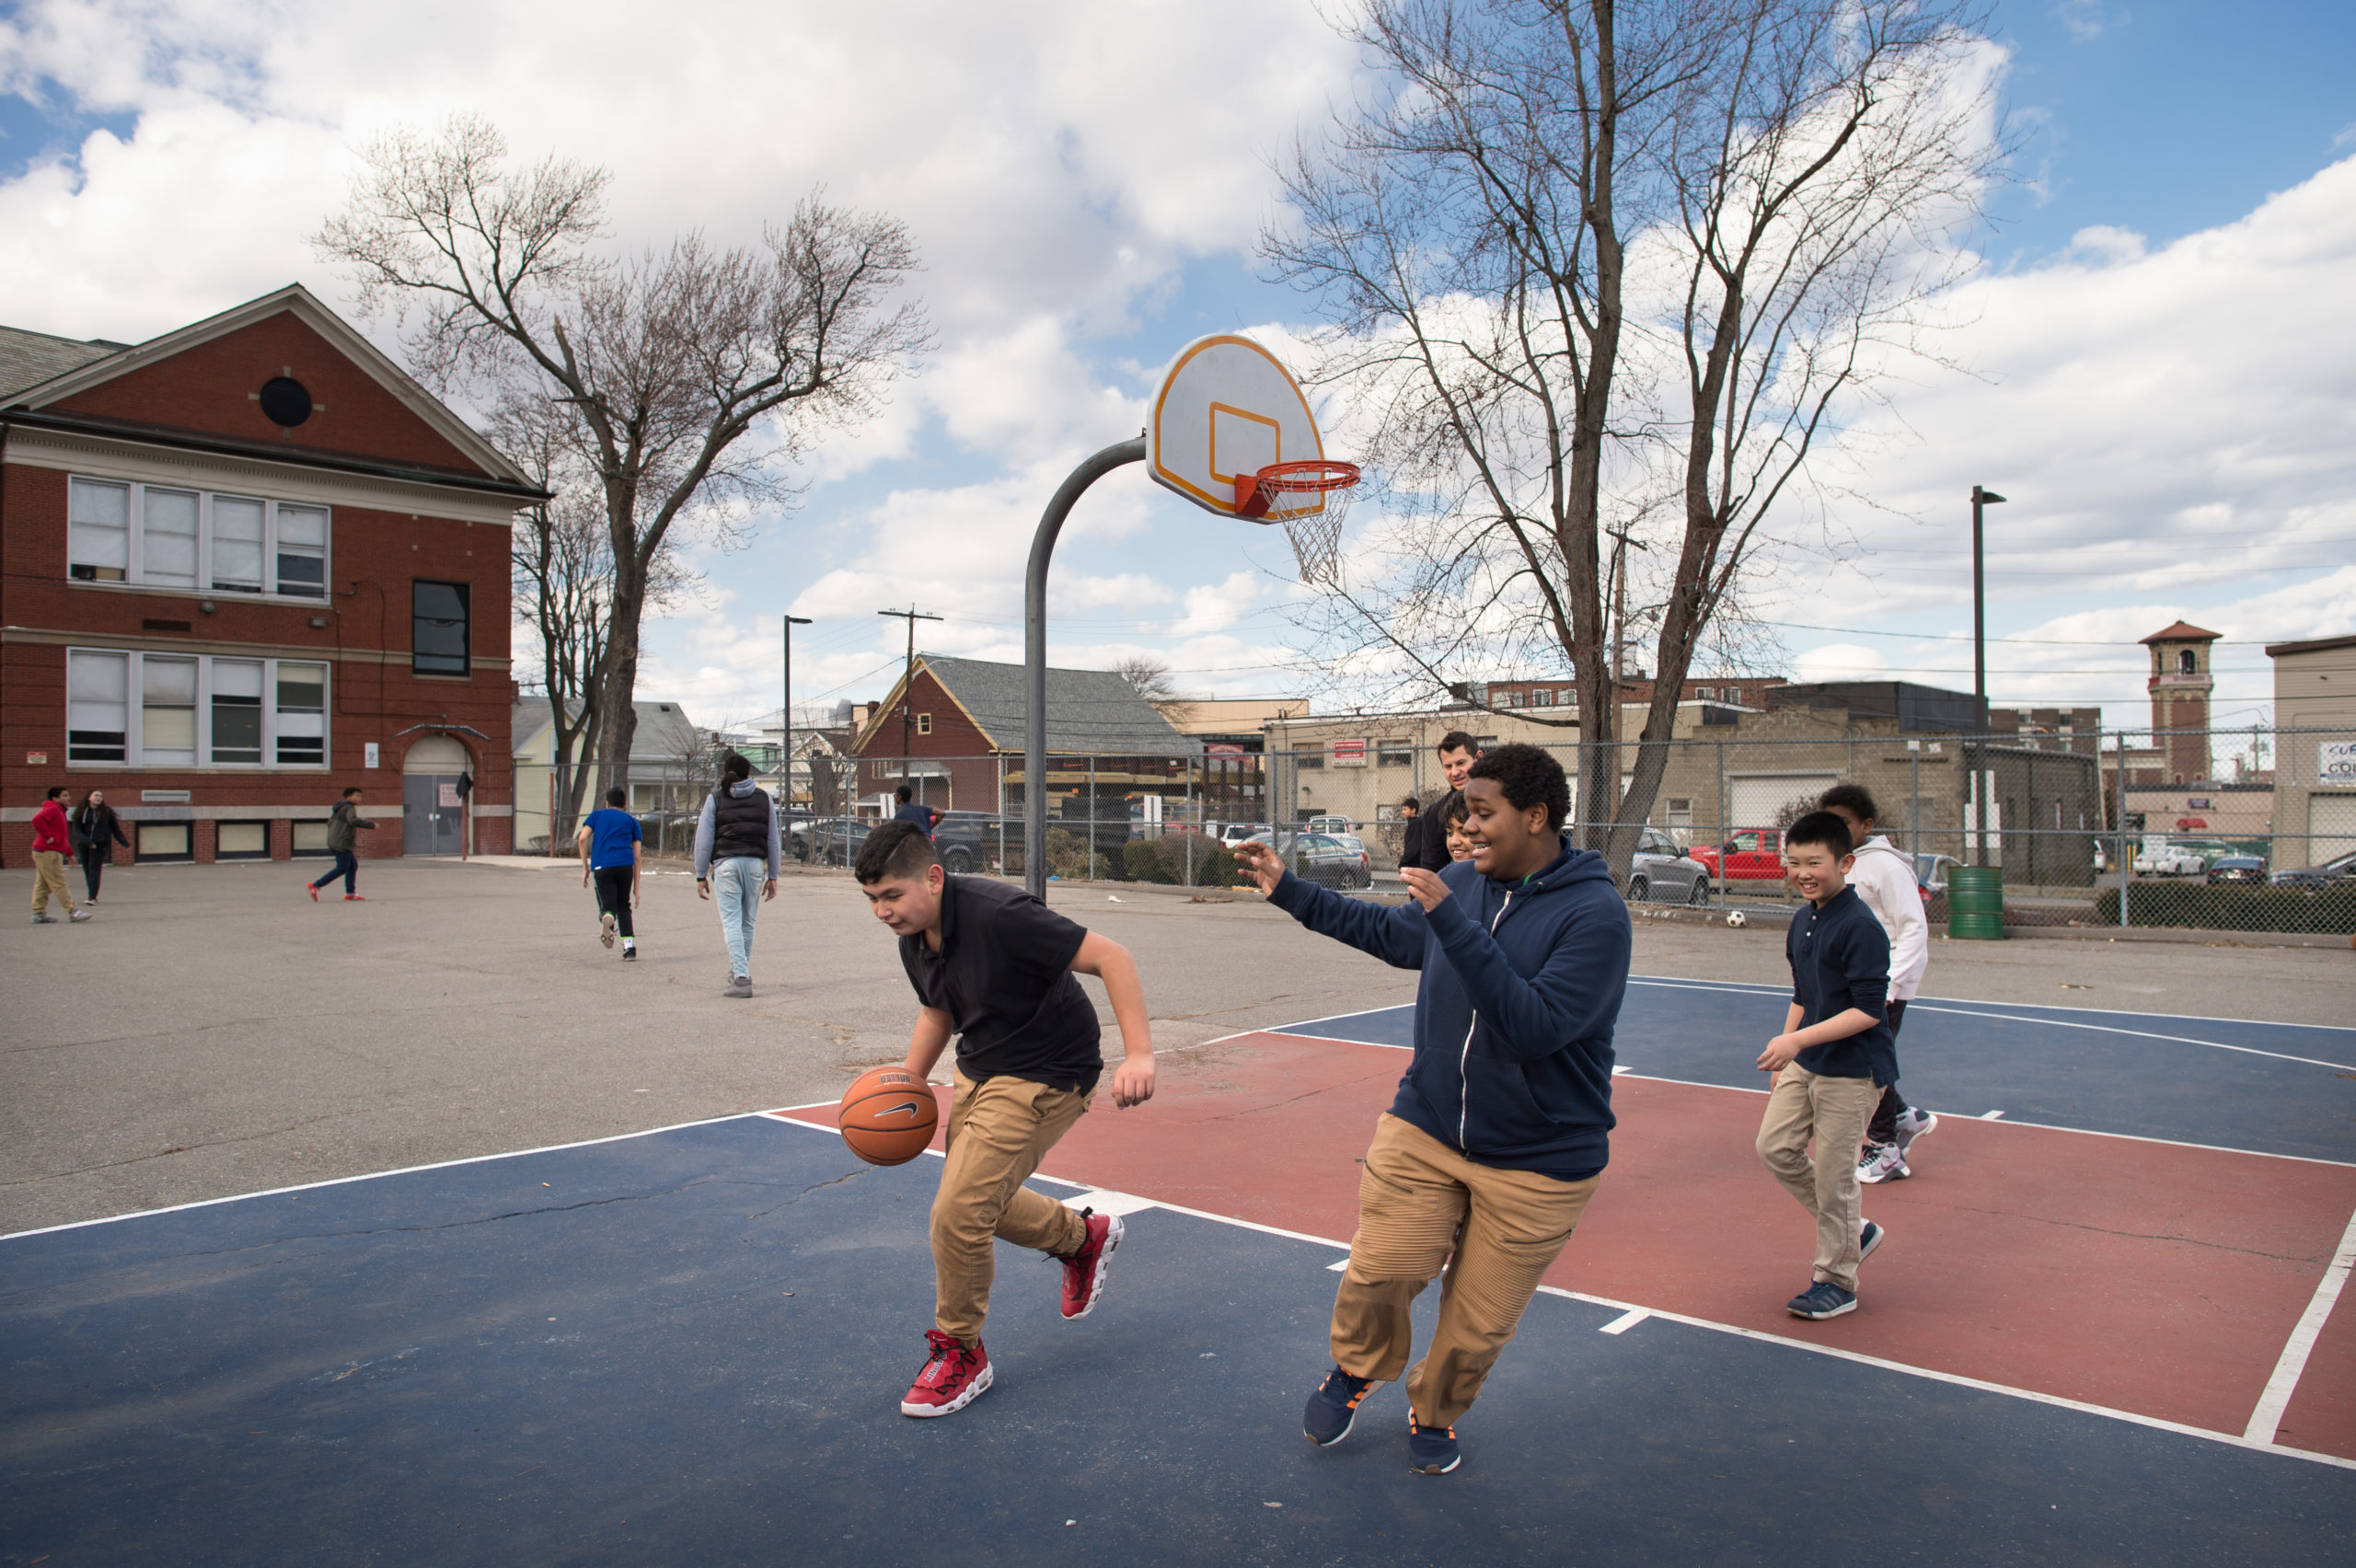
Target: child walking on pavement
(52,841)
(1830,1062)
(736,842)
(610,841)
(1884,877)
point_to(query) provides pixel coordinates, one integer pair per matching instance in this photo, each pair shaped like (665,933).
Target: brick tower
(2180,686)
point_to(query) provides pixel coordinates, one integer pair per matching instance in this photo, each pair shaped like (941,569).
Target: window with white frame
(161,536)
(183,710)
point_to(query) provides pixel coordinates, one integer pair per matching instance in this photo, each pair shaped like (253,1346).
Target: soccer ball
(1735,918)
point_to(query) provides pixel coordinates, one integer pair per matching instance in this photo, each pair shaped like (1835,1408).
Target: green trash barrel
(1975,903)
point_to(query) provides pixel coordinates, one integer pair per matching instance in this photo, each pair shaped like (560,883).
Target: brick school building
(242,566)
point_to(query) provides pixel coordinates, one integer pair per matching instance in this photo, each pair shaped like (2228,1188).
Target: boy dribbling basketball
(997,967)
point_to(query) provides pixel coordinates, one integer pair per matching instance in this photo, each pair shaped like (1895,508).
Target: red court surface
(2157,1279)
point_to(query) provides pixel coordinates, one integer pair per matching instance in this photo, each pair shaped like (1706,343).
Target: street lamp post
(785,716)
(1979,498)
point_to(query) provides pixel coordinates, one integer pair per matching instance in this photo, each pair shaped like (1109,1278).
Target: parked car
(1234,833)
(1930,874)
(829,841)
(1322,857)
(2170,860)
(1340,824)
(2236,869)
(1755,854)
(2211,850)
(1661,870)
(2339,869)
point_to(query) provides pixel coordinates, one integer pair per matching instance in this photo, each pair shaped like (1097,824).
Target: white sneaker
(1912,1125)
(605,927)
(1882,1162)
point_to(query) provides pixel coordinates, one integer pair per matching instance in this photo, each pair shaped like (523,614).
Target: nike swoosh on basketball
(907,1108)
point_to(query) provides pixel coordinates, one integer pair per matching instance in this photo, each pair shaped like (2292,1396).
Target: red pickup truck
(1753,854)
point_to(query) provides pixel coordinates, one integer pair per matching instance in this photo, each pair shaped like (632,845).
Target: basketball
(888,1115)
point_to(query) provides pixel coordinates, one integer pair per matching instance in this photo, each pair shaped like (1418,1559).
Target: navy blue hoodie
(1521,992)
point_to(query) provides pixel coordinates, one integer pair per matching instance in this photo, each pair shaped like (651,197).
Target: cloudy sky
(2158,341)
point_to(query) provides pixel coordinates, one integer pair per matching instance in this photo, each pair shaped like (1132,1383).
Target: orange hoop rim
(1256,494)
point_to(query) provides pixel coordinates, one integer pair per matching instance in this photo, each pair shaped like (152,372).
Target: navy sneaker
(1823,1299)
(1335,1406)
(1868,1238)
(1431,1450)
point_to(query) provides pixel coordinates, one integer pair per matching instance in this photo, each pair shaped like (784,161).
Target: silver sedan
(1661,871)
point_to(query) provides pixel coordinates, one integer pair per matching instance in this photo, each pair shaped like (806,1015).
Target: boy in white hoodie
(1884,877)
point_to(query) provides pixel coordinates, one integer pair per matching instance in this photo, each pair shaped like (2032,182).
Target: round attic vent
(285,402)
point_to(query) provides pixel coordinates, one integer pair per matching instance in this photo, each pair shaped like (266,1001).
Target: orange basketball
(888,1115)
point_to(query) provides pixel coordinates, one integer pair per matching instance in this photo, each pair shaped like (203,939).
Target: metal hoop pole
(1034,651)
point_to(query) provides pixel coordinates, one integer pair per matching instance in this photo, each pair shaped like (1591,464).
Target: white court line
(1991,1116)
(2267,1416)
(1626,1320)
(1749,988)
(2139,1034)
(397,1170)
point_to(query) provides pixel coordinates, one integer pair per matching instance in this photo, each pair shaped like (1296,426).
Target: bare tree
(680,381)
(1150,678)
(1563,210)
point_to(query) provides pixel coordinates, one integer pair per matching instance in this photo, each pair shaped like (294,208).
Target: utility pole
(1979,498)
(785,715)
(1620,543)
(911,615)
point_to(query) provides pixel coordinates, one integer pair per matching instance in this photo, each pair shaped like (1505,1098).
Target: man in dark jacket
(97,830)
(344,826)
(1501,1127)
(1426,842)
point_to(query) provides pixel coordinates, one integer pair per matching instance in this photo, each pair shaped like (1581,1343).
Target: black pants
(94,865)
(1883,1127)
(347,866)
(613,894)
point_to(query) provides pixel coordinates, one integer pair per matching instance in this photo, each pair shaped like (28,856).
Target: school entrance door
(433,815)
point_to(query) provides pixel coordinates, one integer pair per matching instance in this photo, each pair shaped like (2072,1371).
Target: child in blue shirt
(610,842)
(1831,1060)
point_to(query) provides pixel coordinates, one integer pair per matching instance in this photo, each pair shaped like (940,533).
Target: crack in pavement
(851,1175)
(182,1149)
(2317,1259)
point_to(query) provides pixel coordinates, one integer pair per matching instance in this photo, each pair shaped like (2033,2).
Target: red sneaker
(312,891)
(356,898)
(1085,1269)
(951,1379)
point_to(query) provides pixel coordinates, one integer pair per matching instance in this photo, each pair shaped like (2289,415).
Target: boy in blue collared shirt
(1831,1060)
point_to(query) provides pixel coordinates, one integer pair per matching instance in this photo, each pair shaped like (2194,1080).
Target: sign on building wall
(1349,754)
(368,754)
(2336,764)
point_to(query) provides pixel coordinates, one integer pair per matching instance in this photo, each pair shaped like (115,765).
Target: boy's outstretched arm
(1110,961)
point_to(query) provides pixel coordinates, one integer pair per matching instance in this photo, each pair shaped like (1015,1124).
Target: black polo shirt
(1003,975)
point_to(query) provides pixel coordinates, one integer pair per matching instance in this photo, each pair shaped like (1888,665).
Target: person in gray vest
(736,846)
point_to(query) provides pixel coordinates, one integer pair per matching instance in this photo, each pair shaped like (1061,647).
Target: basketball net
(1310,498)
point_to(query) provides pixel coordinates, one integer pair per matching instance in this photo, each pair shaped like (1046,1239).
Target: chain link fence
(2232,831)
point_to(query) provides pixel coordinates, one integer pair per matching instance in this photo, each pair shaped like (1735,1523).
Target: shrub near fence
(2327,910)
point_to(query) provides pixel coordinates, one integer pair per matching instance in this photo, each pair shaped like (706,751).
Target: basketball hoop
(1309,496)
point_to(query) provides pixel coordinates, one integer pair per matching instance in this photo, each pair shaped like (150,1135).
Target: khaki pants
(1419,1201)
(1833,1111)
(999,1131)
(49,877)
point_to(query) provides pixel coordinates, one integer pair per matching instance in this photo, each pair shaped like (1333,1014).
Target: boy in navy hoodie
(1831,1060)
(1499,1131)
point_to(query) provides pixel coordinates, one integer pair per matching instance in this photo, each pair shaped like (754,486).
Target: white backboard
(1227,407)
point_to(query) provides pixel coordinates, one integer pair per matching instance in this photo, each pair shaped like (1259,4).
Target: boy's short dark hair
(1456,810)
(894,849)
(1528,777)
(52,791)
(904,794)
(1820,827)
(1850,797)
(350,790)
(617,796)
(1411,805)
(1457,740)
(735,769)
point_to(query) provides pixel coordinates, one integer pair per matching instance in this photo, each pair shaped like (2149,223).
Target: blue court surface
(687,1347)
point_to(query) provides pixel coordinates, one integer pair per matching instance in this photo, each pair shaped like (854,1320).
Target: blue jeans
(347,866)
(736,882)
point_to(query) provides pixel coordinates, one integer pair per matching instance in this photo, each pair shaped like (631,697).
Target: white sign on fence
(2336,764)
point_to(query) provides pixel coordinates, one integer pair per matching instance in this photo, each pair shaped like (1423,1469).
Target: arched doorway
(433,813)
